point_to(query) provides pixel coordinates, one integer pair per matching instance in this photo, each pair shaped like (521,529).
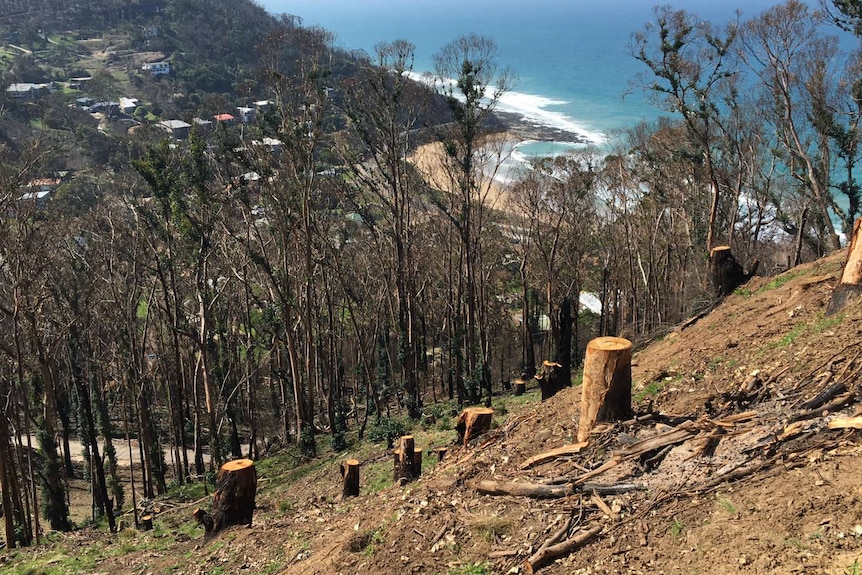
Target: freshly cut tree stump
(417,461)
(551,380)
(350,473)
(441,453)
(851,278)
(607,389)
(520,387)
(727,274)
(146,522)
(404,459)
(473,422)
(233,500)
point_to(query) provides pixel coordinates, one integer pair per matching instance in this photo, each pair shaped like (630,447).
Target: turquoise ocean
(572,58)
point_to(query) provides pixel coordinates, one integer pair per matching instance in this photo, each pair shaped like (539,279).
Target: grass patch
(651,389)
(778,281)
(676,528)
(727,505)
(791,336)
(482,568)
(853,569)
(826,323)
(491,528)
(744,292)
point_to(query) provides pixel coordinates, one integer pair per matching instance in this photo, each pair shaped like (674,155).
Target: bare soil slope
(732,466)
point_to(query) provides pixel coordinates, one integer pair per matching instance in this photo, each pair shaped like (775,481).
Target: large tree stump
(233,500)
(727,274)
(405,459)
(472,422)
(607,389)
(417,461)
(851,278)
(350,474)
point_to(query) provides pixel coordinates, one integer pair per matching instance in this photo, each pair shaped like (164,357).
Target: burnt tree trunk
(851,278)
(727,273)
(607,389)
(552,379)
(472,422)
(233,500)
(350,473)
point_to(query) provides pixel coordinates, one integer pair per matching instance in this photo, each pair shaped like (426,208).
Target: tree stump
(520,386)
(851,278)
(607,389)
(146,522)
(472,422)
(441,453)
(727,274)
(404,458)
(350,474)
(551,380)
(417,462)
(233,500)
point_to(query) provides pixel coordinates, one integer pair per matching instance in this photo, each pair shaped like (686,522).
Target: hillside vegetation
(268,248)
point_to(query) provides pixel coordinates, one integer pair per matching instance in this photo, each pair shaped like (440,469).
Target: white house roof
(174,124)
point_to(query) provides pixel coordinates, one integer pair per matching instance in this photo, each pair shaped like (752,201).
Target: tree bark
(727,274)
(233,501)
(350,473)
(851,278)
(404,459)
(607,388)
(473,422)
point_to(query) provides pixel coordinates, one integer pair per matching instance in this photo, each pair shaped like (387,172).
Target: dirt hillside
(729,468)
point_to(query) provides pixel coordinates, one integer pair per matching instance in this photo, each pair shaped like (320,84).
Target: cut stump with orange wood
(233,500)
(851,278)
(350,474)
(473,422)
(607,387)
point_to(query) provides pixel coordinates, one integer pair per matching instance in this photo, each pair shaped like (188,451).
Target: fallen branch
(547,554)
(838,402)
(824,396)
(563,451)
(846,423)
(524,489)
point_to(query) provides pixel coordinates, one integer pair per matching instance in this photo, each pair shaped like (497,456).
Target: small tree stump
(551,380)
(233,500)
(520,387)
(607,389)
(851,278)
(441,453)
(350,473)
(472,422)
(404,467)
(146,522)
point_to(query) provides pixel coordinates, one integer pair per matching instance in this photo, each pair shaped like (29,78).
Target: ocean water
(571,57)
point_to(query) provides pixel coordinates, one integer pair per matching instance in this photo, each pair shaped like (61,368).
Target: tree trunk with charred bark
(350,475)
(851,278)
(727,273)
(233,501)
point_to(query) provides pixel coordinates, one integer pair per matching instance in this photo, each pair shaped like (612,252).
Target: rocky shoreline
(525,129)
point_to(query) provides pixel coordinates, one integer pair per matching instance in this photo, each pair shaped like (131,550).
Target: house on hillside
(224,119)
(157,68)
(27,91)
(246,115)
(202,126)
(84,102)
(176,128)
(40,190)
(128,105)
